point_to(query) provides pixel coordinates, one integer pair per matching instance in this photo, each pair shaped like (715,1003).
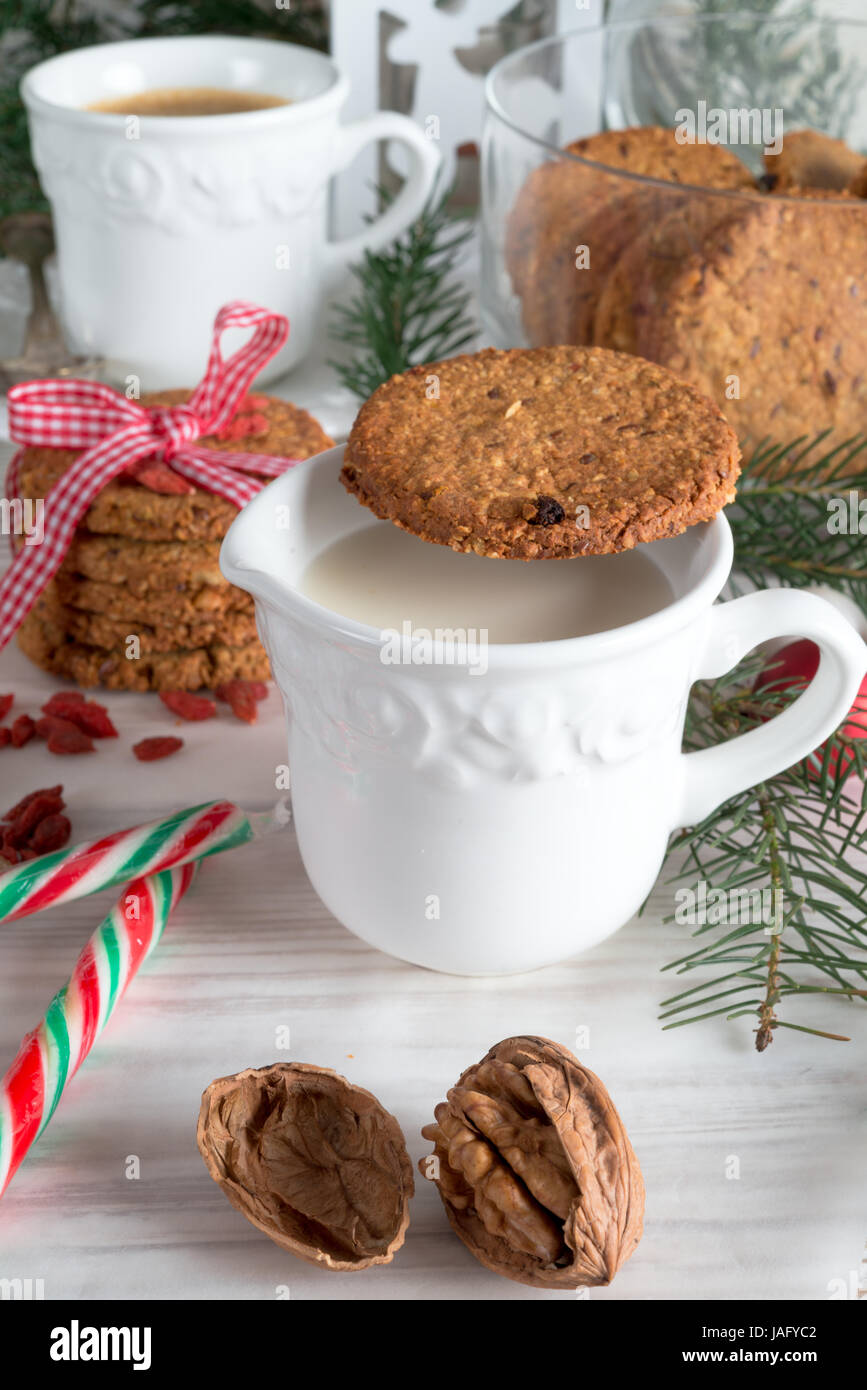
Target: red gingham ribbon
(116,433)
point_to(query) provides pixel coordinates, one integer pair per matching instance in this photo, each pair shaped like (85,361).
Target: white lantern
(431,40)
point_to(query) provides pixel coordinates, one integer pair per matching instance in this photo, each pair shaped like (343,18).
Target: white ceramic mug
(533,804)
(160,221)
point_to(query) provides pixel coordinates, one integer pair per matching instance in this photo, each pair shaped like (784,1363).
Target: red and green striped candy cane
(50,1055)
(125,854)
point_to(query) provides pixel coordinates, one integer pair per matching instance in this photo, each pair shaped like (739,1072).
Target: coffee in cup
(187,101)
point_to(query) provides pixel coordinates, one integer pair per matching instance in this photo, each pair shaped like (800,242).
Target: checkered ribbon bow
(116,433)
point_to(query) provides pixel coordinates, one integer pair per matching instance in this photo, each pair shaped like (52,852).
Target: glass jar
(682,251)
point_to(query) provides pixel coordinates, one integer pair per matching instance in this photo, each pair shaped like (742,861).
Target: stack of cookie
(139,602)
(758,299)
(568,207)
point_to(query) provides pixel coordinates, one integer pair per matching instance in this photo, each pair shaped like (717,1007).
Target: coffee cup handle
(712,775)
(424,165)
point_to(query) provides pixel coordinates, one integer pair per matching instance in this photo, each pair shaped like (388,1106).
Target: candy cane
(68,874)
(49,1057)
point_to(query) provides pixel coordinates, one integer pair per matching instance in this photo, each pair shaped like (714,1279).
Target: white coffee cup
(161,220)
(534,802)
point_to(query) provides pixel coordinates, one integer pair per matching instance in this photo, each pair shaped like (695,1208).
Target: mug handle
(424,165)
(712,775)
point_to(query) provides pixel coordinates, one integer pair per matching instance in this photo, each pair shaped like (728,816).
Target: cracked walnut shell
(313,1161)
(535,1170)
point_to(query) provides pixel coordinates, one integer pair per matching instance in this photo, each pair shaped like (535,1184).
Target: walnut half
(313,1161)
(534,1168)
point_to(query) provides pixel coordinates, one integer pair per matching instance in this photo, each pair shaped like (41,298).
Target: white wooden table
(252,951)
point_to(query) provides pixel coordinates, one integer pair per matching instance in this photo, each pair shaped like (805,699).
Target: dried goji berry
(50,834)
(244,707)
(95,720)
(5,736)
(15,812)
(149,749)
(51,724)
(242,697)
(245,426)
(14,839)
(44,804)
(70,740)
(34,825)
(22,730)
(20,830)
(62,702)
(87,715)
(17,839)
(258,690)
(158,477)
(5,705)
(92,719)
(187,706)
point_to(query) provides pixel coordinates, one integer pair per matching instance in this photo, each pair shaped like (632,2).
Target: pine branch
(794,514)
(31,30)
(802,839)
(408,308)
(299,23)
(797,64)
